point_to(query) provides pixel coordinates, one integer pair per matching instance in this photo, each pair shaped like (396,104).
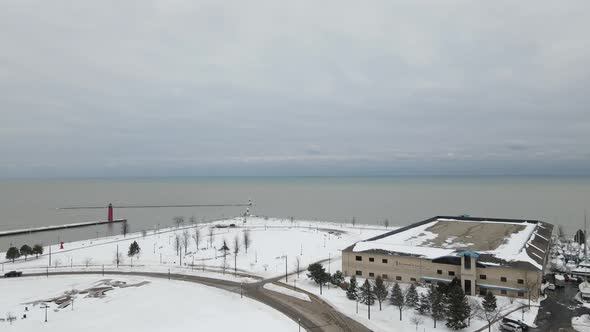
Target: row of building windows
(384,276)
(502,279)
(371,259)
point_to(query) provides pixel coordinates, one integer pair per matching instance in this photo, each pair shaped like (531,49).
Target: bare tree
(353,221)
(88,261)
(178,221)
(177,243)
(247,239)
(236,251)
(474,307)
(143,233)
(197,236)
(417,320)
(297,265)
(386,223)
(225,249)
(185,238)
(10,317)
(124,228)
(531,287)
(211,233)
(193,220)
(119,258)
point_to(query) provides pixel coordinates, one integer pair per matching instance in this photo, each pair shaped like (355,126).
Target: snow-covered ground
(287,291)
(388,318)
(159,305)
(274,242)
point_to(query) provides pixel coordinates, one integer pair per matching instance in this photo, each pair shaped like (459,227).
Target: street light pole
(45,306)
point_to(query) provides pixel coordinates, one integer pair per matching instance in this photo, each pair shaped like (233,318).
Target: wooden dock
(58,227)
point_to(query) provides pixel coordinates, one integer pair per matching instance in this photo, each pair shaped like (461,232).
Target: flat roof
(497,241)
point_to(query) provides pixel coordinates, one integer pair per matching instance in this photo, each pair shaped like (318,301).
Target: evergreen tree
(412,297)
(25,250)
(437,305)
(381,290)
(318,274)
(489,310)
(337,278)
(489,302)
(398,299)
(423,304)
(352,291)
(37,250)
(367,296)
(12,253)
(133,249)
(457,309)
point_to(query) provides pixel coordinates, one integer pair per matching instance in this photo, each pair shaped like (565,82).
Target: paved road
(317,316)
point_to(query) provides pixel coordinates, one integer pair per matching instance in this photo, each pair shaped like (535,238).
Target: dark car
(13,274)
(232,225)
(520,323)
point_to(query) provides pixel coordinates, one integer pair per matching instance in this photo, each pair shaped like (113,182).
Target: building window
(520,294)
(438,271)
(398,278)
(371,274)
(467,262)
(483,277)
(520,281)
(451,273)
(385,276)
(359,258)
(413,279)
(384,261)
(371,259)
(359,273)
(503,279)
(503,292)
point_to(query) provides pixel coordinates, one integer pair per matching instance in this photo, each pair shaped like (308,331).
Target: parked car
(511,327)
(551,287)
(518,322)
(13,274)
(232,225)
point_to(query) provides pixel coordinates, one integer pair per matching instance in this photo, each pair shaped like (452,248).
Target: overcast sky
(173,87)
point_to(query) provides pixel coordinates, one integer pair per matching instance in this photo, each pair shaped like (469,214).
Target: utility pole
(286,273)
(49,255)
(117,256)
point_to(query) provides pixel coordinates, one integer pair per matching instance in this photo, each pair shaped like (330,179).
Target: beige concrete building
(504,256)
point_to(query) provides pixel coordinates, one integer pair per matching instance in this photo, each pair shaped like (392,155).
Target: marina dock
(58,227)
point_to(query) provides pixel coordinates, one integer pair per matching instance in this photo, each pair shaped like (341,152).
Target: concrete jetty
(58,227)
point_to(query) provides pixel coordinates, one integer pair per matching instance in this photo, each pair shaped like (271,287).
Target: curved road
(314,316)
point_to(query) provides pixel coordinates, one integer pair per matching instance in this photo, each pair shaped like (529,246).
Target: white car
(507,326)
(551,287)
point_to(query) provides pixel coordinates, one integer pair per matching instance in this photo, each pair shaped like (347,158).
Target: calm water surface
(402,200)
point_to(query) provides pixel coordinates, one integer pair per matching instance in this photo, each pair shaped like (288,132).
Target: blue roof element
(468,253)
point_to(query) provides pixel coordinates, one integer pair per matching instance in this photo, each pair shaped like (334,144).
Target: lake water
(401,200)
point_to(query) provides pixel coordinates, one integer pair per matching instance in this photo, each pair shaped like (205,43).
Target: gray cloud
(233,87)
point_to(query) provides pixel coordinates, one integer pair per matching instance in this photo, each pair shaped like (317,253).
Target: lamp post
(45,306)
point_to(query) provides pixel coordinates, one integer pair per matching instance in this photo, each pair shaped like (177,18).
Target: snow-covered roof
(497,241)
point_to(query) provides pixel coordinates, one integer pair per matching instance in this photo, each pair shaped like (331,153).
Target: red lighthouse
(110,212)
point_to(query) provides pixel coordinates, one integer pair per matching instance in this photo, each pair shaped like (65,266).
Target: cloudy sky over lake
(103,88)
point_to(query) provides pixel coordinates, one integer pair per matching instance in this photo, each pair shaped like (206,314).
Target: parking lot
(559,308)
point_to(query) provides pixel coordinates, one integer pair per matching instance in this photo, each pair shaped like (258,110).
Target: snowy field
(388,319)
(275,244)
(159,305)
